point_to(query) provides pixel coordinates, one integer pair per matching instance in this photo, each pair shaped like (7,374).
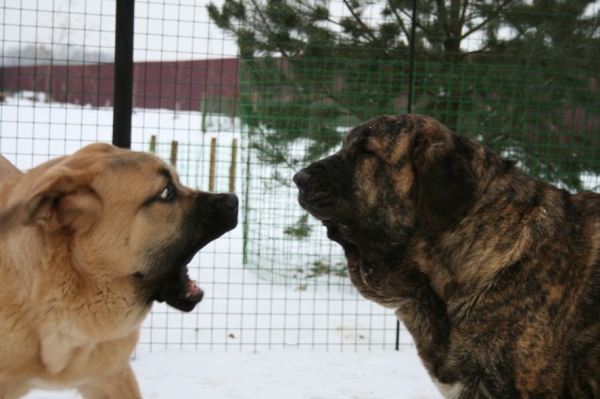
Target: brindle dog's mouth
(343,229)
(319,206)
(330,221)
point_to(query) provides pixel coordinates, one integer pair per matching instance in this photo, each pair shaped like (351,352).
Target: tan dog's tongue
(192,289)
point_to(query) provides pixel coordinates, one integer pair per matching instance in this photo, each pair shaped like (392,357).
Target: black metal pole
(123,91)
(411,65)
(411,68)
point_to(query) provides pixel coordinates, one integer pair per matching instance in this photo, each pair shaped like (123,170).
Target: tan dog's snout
(230,203)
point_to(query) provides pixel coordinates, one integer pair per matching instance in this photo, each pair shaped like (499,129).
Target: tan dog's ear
(10,218)
(446,182)
(61,197)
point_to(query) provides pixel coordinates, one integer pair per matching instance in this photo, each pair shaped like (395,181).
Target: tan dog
(495,274)
(7,169)
(87,243)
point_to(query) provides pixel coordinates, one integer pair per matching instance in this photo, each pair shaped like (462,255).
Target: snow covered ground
(253,336)
(278,374)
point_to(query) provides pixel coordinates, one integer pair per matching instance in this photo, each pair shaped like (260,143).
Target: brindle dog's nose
(231,201)
(301,179)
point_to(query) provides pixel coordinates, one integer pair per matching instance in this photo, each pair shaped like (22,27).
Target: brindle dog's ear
(446,183)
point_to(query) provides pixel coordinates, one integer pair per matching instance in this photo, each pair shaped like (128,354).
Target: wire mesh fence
(239,95)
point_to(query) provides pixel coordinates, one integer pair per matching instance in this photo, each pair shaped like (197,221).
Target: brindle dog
(495,274)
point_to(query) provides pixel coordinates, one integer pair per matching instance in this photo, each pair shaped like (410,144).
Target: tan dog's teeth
(192,288)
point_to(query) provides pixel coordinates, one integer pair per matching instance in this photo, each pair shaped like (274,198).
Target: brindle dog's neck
(460,263)
(493,236)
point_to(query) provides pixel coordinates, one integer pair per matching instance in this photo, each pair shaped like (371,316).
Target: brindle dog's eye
(366,153)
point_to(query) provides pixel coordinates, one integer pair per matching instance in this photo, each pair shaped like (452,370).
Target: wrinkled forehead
(390,129)
(144,164)
(382,129)
(355,134)
(118,161)
(372,128)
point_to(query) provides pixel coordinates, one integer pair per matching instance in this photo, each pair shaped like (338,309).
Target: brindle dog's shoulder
(495,274)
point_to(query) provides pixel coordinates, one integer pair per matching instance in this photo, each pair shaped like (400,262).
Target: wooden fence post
(203,112)
(153,144)
(174,146)
(211,170)
(232,166)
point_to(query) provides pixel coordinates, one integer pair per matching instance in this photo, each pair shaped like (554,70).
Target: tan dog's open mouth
(179,291)
(213,216)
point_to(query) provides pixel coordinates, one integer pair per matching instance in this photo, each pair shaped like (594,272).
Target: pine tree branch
(463,14)
(593,32)
(275,149)
(455,23)
(329,94)
(308,6)
(364,27)
(400,22)
(480,51)
(443,16)
(488,19)
(423,28)
(266,24)
(485,48)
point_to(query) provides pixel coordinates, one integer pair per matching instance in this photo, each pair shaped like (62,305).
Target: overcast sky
(164,29)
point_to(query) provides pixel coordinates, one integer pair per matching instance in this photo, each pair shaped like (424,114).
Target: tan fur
(73,233)
(7,168)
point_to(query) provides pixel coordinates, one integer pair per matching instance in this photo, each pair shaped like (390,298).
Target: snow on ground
(253,336)
(278,374)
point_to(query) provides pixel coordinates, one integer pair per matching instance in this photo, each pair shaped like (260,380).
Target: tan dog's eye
(167,194)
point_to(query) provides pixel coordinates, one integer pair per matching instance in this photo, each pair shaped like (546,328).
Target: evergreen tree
(505,71)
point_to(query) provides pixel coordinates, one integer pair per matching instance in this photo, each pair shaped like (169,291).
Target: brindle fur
(495,274)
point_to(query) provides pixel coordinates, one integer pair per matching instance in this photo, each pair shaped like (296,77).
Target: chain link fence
(239,95)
